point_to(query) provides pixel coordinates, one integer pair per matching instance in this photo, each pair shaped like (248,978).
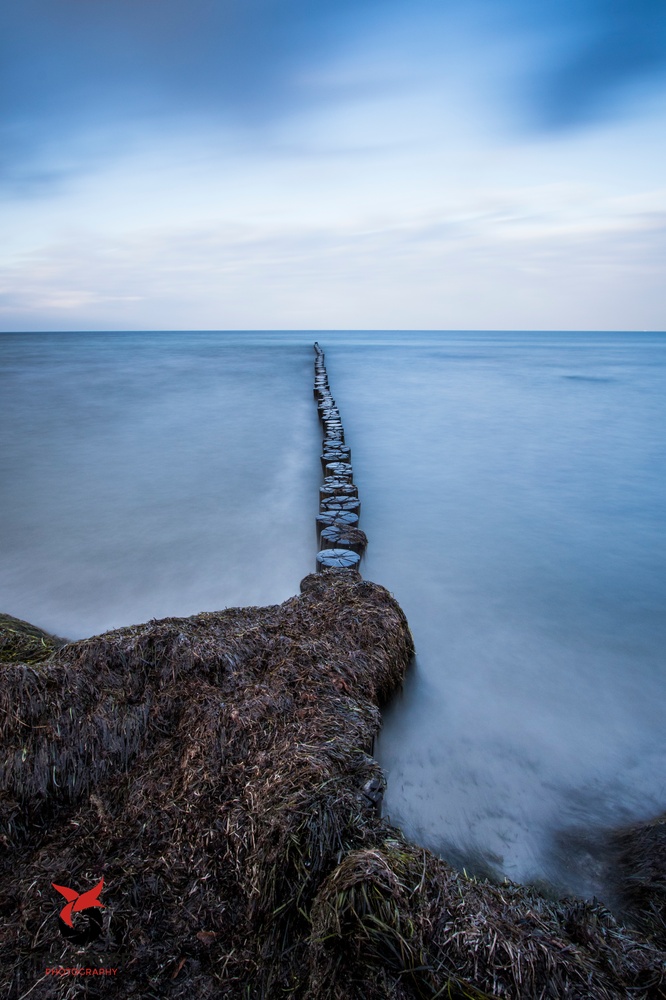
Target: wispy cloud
(481,267)
(110,68)
(72,68)
(610,51)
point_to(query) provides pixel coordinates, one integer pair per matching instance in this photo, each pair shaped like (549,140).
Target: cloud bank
(82,79)
(498,267)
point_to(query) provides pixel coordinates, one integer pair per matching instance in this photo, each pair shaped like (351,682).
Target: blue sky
(217,164)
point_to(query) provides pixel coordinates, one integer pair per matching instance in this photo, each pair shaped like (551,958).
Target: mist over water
(148,475)
(512,489)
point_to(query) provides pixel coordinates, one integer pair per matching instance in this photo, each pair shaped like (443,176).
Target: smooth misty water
(513,493)
(148,475)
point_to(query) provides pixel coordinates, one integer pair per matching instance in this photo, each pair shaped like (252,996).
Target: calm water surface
(148,475)
(513,493)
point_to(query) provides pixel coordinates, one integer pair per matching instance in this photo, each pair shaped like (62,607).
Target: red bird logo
(77,901)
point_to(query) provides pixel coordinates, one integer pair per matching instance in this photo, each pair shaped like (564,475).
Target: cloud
(84,79)
(110,66)
(492,266)
(613,49)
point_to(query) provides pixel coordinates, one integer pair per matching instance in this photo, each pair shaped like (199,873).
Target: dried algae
(217,772)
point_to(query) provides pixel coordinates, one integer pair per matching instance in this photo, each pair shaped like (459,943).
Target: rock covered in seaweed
(216,771)
(638,863)
(211,769)
(21,642)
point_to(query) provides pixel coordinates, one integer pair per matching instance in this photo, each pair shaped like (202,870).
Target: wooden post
(345,518)
(340,536)
(330,504)
(337,489)
(341,470)
(337,559)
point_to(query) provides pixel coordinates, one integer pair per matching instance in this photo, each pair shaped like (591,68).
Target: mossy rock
(21,642)
(639,874)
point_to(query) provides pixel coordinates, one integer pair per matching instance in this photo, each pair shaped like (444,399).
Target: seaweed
(217,772)
(21,642)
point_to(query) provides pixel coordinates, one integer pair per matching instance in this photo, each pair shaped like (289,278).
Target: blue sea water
(513,493)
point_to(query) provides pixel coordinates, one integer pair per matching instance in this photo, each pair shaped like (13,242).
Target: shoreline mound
(217,773)
(637,859)
(21,642)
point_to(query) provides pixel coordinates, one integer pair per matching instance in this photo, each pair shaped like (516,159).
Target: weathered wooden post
(344,517)
(340,536)
(337,559)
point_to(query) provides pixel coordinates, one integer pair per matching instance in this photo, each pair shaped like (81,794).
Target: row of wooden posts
(341,541)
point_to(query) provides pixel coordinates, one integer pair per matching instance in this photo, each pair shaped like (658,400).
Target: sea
(513,492)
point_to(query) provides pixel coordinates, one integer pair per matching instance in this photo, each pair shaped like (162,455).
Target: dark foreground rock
(216,772)
(21,642)
(638,875)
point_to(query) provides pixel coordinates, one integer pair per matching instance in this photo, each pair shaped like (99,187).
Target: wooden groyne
(341,541)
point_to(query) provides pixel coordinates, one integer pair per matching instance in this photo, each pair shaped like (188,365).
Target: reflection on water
(512,489)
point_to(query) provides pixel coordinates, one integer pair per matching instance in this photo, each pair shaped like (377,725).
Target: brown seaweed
(217,772)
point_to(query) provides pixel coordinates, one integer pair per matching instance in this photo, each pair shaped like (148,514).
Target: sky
(326,164)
